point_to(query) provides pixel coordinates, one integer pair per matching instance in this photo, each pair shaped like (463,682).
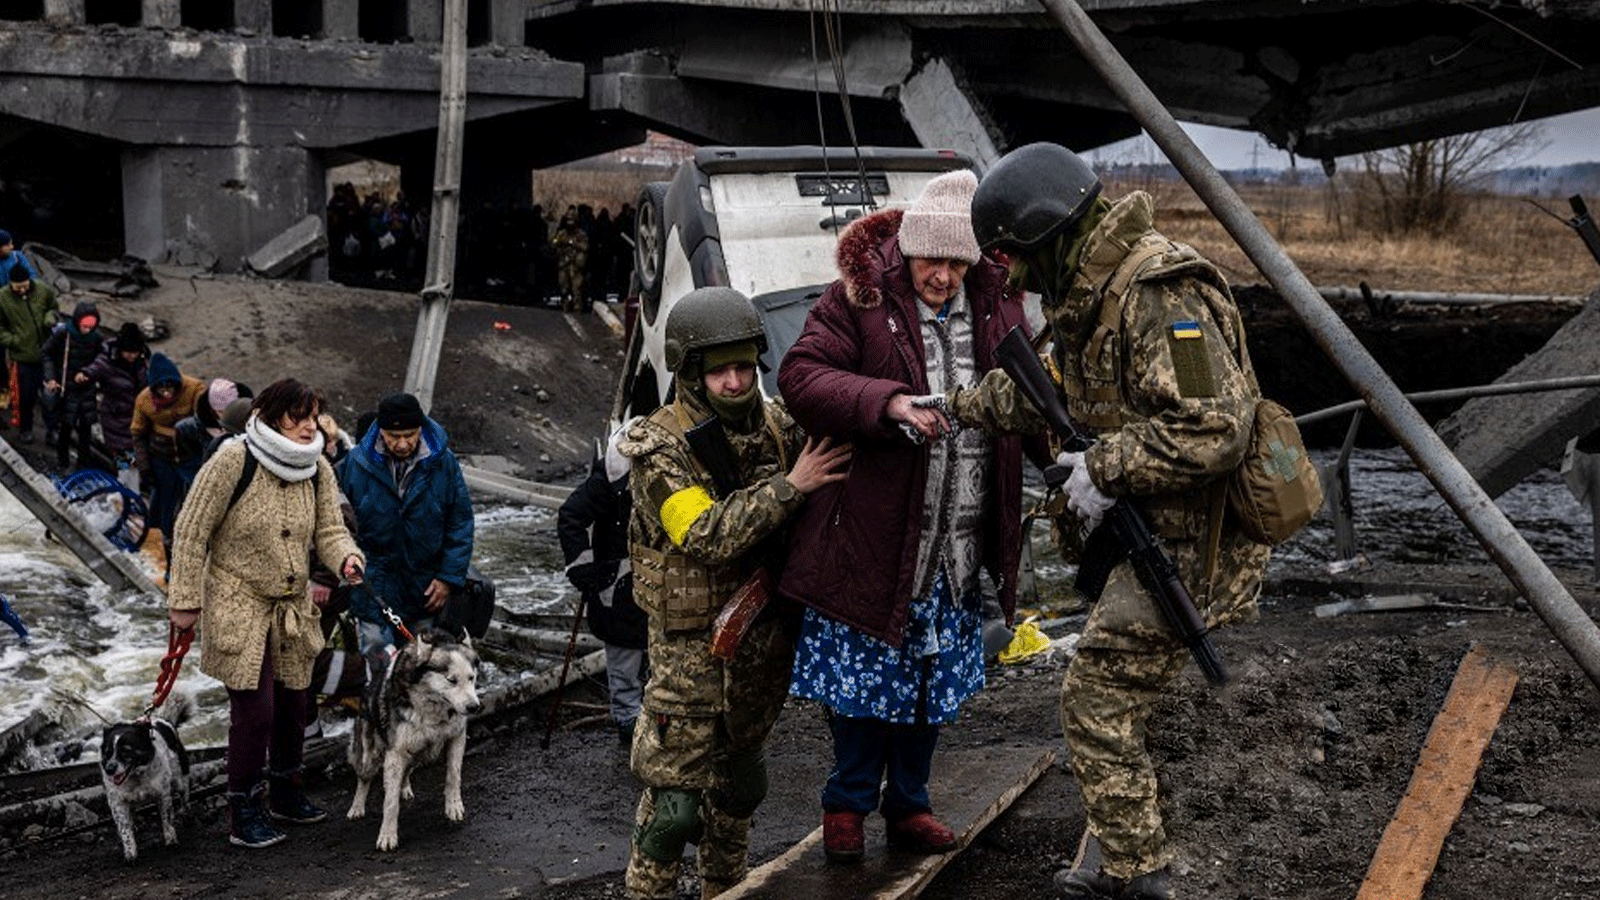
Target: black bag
(50,400)
(339,670)
(470,608)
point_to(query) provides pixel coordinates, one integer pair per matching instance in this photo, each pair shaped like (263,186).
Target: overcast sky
(1570,138)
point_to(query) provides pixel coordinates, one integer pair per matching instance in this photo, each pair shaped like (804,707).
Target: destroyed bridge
(196,130)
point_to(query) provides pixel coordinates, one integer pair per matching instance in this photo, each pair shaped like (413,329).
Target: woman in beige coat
(240,560)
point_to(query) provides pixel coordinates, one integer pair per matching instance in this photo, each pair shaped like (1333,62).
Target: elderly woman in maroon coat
(887,563)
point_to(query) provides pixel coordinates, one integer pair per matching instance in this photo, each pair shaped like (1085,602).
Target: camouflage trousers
(570,279)
(1126,658)
(700,754)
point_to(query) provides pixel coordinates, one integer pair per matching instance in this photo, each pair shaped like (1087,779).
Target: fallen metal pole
(1500,539)
(1450,298)
(1461,393)
(439,281)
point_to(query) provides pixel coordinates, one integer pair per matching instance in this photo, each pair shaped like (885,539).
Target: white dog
(417,709)
(141,761)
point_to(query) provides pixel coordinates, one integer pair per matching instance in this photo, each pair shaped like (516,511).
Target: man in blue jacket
(414,519)
(11,258)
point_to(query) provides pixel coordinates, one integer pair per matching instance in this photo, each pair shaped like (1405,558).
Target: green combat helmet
(1031,195)
(707,317)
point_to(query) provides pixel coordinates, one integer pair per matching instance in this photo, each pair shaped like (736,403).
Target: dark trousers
(172,484)
(266,722)
(77,419)
(871,755)
(30,378)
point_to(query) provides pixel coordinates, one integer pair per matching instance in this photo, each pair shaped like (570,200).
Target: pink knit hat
(939,224)
(220,394)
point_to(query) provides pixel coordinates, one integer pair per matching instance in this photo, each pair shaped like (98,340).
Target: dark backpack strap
(249,473)
(243,484)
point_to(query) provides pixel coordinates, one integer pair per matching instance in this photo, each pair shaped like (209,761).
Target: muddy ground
(1279,786)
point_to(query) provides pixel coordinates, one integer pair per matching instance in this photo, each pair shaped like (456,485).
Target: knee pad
(674,823)
(743,783)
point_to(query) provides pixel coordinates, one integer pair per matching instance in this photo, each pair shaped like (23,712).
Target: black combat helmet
(1030,195)
(707,317)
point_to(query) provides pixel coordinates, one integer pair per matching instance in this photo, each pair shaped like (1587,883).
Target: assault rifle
(1126,522)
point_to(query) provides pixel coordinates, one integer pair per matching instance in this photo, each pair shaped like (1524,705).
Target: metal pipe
(1500,539)
(1461,393)
(1332,293)
(439,280)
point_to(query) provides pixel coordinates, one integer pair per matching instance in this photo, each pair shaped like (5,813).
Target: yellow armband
(682,509)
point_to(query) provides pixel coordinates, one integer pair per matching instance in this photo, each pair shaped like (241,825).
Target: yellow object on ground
(1027,641)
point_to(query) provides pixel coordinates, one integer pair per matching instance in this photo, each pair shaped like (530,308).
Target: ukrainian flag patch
(1185,330)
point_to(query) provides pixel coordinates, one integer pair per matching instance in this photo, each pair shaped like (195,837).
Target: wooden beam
(1443,779)
(35,492)
(961,787)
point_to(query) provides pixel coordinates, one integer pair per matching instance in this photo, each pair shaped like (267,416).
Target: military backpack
(1275,490)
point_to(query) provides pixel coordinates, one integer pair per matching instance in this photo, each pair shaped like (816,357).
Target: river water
(95,646)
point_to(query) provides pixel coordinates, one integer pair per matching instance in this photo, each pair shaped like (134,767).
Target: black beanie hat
(399,412)
(129,337)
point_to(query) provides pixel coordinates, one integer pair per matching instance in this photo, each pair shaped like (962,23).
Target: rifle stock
(1152,565)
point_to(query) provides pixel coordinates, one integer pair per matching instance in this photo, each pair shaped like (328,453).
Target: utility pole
(438,284)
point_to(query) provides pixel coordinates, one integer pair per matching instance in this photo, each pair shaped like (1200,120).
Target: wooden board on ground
(970,788)
(1405,858)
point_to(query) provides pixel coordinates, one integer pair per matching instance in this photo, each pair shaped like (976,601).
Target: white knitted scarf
(277,454)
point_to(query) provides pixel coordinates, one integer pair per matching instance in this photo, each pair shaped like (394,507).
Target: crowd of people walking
(508,252)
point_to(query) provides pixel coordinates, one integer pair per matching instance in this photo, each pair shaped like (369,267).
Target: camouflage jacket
(1163,380)
(691,548)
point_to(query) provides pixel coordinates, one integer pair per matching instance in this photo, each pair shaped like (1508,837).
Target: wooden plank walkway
(970,788)
(1409,850)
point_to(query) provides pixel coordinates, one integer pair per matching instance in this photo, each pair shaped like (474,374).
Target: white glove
(1089,502)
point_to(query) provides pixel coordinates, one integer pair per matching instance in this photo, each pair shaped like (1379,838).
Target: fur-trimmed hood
(869,257)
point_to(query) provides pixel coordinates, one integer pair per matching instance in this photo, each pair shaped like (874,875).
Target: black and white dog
(412,713)
(141,761)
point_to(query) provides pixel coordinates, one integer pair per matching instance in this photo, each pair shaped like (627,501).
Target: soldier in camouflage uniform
(571,244)
(1151,355)
(700,743)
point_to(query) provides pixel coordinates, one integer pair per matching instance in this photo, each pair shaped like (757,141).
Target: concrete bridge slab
(1502,440)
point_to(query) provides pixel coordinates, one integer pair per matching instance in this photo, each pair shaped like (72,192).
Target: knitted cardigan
(246,569)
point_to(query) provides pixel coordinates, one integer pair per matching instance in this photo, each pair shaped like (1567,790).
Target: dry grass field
(1505,246)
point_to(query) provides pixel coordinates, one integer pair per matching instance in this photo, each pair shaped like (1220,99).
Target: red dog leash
(178,641)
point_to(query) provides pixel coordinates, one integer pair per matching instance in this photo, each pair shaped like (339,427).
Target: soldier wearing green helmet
(716,474)
(1150,351)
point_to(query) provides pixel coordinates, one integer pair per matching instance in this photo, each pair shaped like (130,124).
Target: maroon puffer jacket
(853,547)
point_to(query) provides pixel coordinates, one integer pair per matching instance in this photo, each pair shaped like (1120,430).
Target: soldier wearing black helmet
(704,509)
(1151,354)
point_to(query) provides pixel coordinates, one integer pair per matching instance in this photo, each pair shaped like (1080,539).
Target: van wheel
(650,246)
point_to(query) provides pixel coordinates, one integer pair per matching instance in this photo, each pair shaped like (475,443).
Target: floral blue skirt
(862,677)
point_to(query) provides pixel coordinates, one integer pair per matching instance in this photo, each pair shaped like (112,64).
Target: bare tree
(1424,187)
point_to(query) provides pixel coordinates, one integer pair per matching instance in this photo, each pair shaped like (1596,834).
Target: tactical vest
(683,591)
(1092,382)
